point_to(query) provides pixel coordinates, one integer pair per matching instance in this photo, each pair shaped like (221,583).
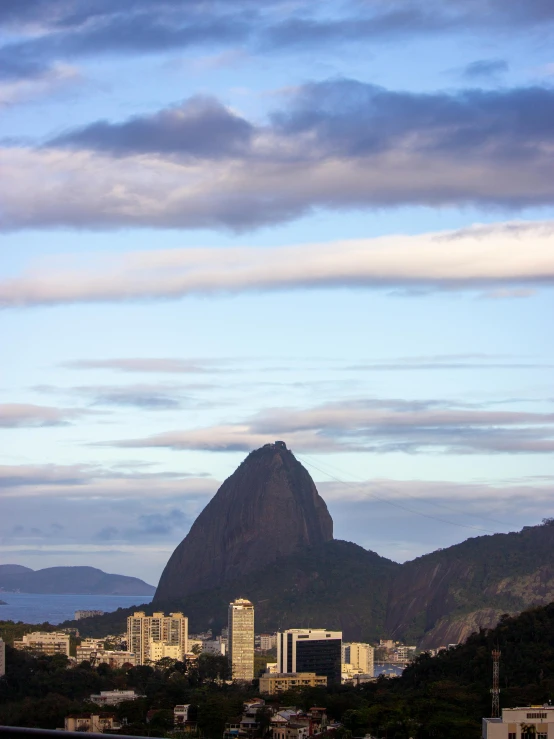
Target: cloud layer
(501,256)
(335,145)
(375,426)
(26,415)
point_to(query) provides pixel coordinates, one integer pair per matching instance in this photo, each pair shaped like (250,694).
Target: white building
(87,614)
(114,697)
(241,639)
(181,714)
(213,646)
(44,642)
(267,642)
(359,656)
(143,630)
(530,722)
(2,658)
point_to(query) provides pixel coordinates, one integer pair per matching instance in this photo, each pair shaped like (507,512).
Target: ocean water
(33,608)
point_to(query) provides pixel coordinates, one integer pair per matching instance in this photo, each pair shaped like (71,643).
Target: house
(94,723)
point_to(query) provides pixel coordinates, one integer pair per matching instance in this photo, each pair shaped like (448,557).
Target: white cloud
(24,415)
(505,255)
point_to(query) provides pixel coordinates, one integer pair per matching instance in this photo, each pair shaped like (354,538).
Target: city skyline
(241,222)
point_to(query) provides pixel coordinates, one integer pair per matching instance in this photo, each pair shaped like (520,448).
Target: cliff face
(269,508)
(442,597)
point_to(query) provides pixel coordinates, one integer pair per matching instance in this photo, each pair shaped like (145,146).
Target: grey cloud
(26,415)
(139,26)
(200,127)
(483,68)
(338,145)
(378,426)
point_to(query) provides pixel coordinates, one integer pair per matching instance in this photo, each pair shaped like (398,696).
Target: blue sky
(226,223)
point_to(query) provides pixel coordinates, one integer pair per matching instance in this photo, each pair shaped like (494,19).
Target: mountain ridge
(70,580)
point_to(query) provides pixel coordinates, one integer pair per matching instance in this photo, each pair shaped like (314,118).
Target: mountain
(74,580)
(268,509)
(335,585)
(444,596)
(267,535)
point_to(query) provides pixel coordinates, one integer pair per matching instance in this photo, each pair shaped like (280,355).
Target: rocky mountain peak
(267,509)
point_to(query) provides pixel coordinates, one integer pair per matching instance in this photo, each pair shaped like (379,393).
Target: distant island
(3,603)
(69,581)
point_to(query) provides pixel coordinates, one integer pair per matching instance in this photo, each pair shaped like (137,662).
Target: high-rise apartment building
(241,639)
(146,633)
(359,655)
(310,650)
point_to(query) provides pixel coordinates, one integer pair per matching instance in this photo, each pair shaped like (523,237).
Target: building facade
(44,642)
(144,631)
(275,682)
(359,655)
(241,639)
(96,723)
(311,650)
(529,722)
(114,697)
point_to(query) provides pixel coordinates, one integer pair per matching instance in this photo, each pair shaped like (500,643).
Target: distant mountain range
(70,580)
(267,535)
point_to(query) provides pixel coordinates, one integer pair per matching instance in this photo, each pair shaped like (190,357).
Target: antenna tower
(495,690)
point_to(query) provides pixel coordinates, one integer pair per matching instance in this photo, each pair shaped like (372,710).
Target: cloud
(483,68)
(153,397)
(45,31)
(25,415)
(201,127)
(500,256)
(377,426)
(87,482)
(44,83)
(337,145)
(145,364)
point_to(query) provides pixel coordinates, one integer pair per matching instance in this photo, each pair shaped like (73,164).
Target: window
(536,715)
(512,735)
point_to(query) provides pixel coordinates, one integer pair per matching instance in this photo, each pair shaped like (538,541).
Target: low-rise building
(213,646)
(277,682)
(267,642)
(529,722)
(114,697)
(44,642)
(158,650)
(94,723)
(181,714)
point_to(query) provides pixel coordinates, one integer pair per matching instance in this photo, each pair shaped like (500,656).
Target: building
(275,682)
(87,614)
(181,714)
(241,639)
(2,658)
(95,723)
(158,650)
(45,642)
(114,697)
(310,650)
(267,642)
(405,653)
(359,655)
(142,630)
(530,722)
(87,648)
(213,646)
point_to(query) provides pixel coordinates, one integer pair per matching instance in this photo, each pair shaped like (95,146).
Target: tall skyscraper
(158,629)
(310,650)
(241,639)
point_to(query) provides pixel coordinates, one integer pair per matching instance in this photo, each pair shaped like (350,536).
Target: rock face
(269,508)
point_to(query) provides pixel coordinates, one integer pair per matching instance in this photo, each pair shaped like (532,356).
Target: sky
(227,222)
